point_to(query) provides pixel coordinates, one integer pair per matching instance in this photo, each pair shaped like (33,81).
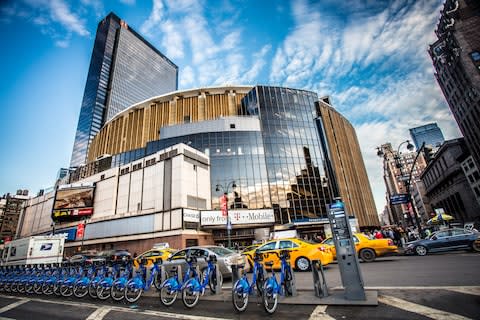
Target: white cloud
(154,19)
(61,13)
(62,43)
(187,77)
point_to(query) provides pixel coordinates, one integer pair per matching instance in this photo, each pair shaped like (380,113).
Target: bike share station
(352,293)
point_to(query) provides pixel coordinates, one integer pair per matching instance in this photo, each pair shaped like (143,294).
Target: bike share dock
(319,294)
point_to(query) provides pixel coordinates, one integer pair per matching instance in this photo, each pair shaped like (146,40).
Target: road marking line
(114,308)
(13,305)
(320,314)
(168,315)
(419,288)
(99,313)
(473,290)
(419,309)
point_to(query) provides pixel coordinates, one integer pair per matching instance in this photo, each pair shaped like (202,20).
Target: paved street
(442,286)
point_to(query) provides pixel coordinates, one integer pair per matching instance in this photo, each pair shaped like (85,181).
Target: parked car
(225,258)
(116,255)
(251,247)
(301,253)
(86,258)
(445,240)
(368,249)
(153,256)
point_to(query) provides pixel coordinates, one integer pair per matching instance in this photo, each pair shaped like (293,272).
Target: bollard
(236,272)
(319,282)
(292,283)
(218,289)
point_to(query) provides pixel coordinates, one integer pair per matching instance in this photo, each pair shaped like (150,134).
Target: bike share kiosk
(346,255)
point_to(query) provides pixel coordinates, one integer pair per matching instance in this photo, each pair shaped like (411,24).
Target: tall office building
(456,59)
(429,133)
(124,69)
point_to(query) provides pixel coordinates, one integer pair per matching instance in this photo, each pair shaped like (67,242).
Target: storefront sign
(191,215)
(215,218)
(305,221)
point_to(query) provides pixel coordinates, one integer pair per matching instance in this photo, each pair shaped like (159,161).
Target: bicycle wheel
(20,287)
(80,290)
(157,281)
(168,295)
(117,292)
(47,289)
(132,293)
(92,290)
(37,288)
(56,289)
(189,295)
(269,297)
(239,297)
(103,292)
(66,290)
(212,281)
(29,287)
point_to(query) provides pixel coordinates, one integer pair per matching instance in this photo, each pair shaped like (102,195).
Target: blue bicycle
(117,291)
(242,289)
(195,286)
(170,288)
(271,288)
(135,286)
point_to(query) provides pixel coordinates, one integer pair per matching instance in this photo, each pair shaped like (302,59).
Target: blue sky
(370,57)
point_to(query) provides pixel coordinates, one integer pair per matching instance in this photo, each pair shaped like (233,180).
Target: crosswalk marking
(467,290)
(419,309)
(99,313)
(320,314)
(13,305)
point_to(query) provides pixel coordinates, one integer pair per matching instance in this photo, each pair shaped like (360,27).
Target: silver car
(225,259)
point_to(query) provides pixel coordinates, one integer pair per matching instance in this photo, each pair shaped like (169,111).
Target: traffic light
(428,153)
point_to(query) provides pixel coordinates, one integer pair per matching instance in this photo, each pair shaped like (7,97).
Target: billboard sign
(236,217)
(73,203)
(224,205)
(400,198)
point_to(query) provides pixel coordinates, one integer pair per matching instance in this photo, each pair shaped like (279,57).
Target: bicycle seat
(269,264)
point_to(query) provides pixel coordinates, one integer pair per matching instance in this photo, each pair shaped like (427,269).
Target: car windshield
(220,251)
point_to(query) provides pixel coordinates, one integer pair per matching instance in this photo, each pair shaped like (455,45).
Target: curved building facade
(285,149)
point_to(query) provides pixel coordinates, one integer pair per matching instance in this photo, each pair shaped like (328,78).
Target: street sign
(401,198)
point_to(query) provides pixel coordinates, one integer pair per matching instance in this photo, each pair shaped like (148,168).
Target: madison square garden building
(280,154)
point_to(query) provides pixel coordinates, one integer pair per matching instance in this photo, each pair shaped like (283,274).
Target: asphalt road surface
(441,286)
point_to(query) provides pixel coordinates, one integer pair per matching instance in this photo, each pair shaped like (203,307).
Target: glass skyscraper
(124,69)
(429,133)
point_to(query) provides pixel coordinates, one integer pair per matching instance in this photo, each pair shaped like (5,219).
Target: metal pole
(83,236)
(410,195)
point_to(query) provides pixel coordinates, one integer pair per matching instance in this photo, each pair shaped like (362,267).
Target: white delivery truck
(33,250)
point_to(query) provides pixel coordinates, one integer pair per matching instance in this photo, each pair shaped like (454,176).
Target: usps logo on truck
(46,246)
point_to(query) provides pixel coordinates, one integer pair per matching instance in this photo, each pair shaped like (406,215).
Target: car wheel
(421,250)
(476,245)
(367,255)
(302,264)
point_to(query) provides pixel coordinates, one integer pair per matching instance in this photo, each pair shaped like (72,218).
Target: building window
(232,125)
(186,119)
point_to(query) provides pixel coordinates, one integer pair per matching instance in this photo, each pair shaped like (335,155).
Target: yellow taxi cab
(301,253)
(154,255)
(368,249)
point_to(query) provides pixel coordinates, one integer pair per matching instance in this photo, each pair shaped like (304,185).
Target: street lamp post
(381,152)
(225,190)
